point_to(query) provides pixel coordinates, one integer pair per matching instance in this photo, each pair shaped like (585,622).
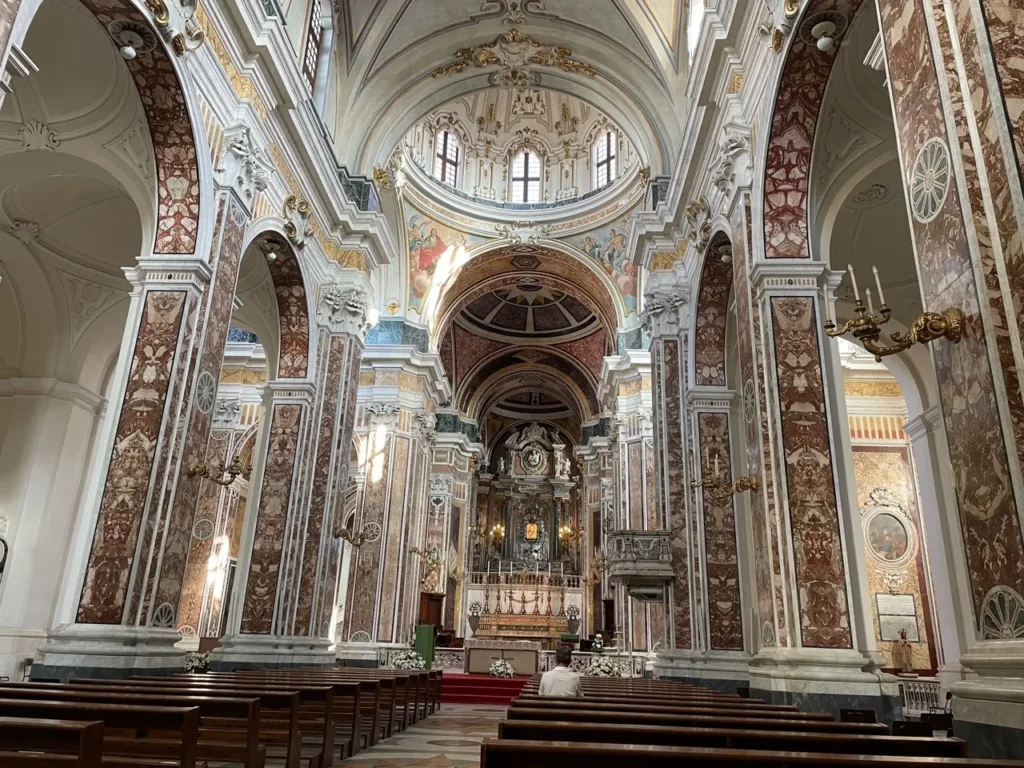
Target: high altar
(525,583)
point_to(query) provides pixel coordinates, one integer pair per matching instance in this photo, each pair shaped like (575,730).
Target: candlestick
(853,281)
(824,300)
(878,285)
(871,307)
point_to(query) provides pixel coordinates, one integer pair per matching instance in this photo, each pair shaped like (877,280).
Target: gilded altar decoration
(514,53)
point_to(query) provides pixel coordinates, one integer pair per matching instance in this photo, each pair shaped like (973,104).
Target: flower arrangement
(408,660)
(604,666)
(598,645)
(502,668)
(197,662)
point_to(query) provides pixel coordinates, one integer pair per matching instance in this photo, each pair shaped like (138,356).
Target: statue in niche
(533,459)
(905,654)
(501,466)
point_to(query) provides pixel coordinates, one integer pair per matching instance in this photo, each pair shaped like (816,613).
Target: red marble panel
(813,511)
(365,572)
(393,554)
(755,425)
(709,321)
(637,512)
(589,351)
(293,314)
(215,312)
(131,460)
(725,613)
(170,127)
(272,519)
(797,104)
(196,569)
(318,499)
(675,490)
(656,612)
(988,510)
(1003,23)
(471,349)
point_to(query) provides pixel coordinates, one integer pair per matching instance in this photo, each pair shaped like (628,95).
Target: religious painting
(435,251)
(607,247)
(532,532)
(887,537)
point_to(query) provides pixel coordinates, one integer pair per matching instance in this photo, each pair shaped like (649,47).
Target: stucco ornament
(734,168)
(345,310)
(243,166)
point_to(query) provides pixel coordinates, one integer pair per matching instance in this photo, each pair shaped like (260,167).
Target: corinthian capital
(345,310)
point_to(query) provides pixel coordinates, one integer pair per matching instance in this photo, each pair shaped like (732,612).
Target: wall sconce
(431,557)
(223,474)
(866,326)
(497,533)
(717,489)
(356,540)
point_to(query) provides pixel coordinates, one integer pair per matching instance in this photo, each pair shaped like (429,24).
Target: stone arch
(796,109)
(292,296)
(711,315)
(180,151)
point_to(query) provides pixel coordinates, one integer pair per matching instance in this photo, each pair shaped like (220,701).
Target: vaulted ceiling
(625,57)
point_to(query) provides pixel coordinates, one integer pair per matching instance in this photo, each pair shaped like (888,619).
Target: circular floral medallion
(371,532)
(929,180)
(163,616)
(206,392)
(767,635)
(202,530)
(749,403)
(1002,615)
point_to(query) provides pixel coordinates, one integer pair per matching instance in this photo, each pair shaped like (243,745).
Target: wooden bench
(531,699)
(813,724)
(234,743)
(728,738)
(279,710)
(496,753)
(682,709)
(119,720)
(53,742)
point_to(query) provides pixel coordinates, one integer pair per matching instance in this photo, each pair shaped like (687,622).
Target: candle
(488,567)
(536,568)
(871,306)
(824,301)
(853,280)
(716,466)
(878,285)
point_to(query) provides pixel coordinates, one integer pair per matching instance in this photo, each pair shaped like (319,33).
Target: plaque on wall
(896,612)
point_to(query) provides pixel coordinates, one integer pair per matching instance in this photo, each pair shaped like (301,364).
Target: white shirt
(560,681)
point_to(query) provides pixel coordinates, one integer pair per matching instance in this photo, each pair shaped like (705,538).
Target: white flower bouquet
(598,644)
(502,668)
(604,666)
(408,660)
(197,662)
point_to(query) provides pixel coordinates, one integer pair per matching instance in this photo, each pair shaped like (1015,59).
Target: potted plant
(604,666)
(408,660)
(197,663)
(502,668)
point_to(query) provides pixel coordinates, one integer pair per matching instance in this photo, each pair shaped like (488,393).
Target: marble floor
(450,738)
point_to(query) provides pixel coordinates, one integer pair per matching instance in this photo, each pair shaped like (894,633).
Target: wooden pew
(530,699)
(412,690)
(182,721)
(279,709)
(813,724)
(682,709)
(237,743)
(727,738)
(558,754)
(55,742)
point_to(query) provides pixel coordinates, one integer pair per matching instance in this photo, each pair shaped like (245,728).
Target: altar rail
(517,579)
(921,695)
(454,660)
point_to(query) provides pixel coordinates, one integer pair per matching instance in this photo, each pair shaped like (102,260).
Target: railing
(921,695)
(454,660)
(517,579)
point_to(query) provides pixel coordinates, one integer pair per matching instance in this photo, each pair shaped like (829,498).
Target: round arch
(711,315)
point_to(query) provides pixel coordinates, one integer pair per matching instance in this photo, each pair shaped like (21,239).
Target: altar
(521,654)
(546,630)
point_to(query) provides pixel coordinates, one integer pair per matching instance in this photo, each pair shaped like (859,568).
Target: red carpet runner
(480,689)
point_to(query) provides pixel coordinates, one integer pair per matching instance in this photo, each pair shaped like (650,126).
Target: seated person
(561,681)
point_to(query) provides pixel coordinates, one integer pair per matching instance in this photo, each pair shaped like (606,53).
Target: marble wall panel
(393,555)
(709,321)
(654,522)
(675,490)
(772,625)
(170,126)
(588,351)
(123,502)
(216,315)
(202,538)
(725,615)
(797,105)
(1003,22)
(325,440)
(272,519)
(813,510)
(293,313)
(988,509)
(637,511)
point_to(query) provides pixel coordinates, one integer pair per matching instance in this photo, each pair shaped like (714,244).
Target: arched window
(446,157)
(314,37)
(526,177)
(605,159)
